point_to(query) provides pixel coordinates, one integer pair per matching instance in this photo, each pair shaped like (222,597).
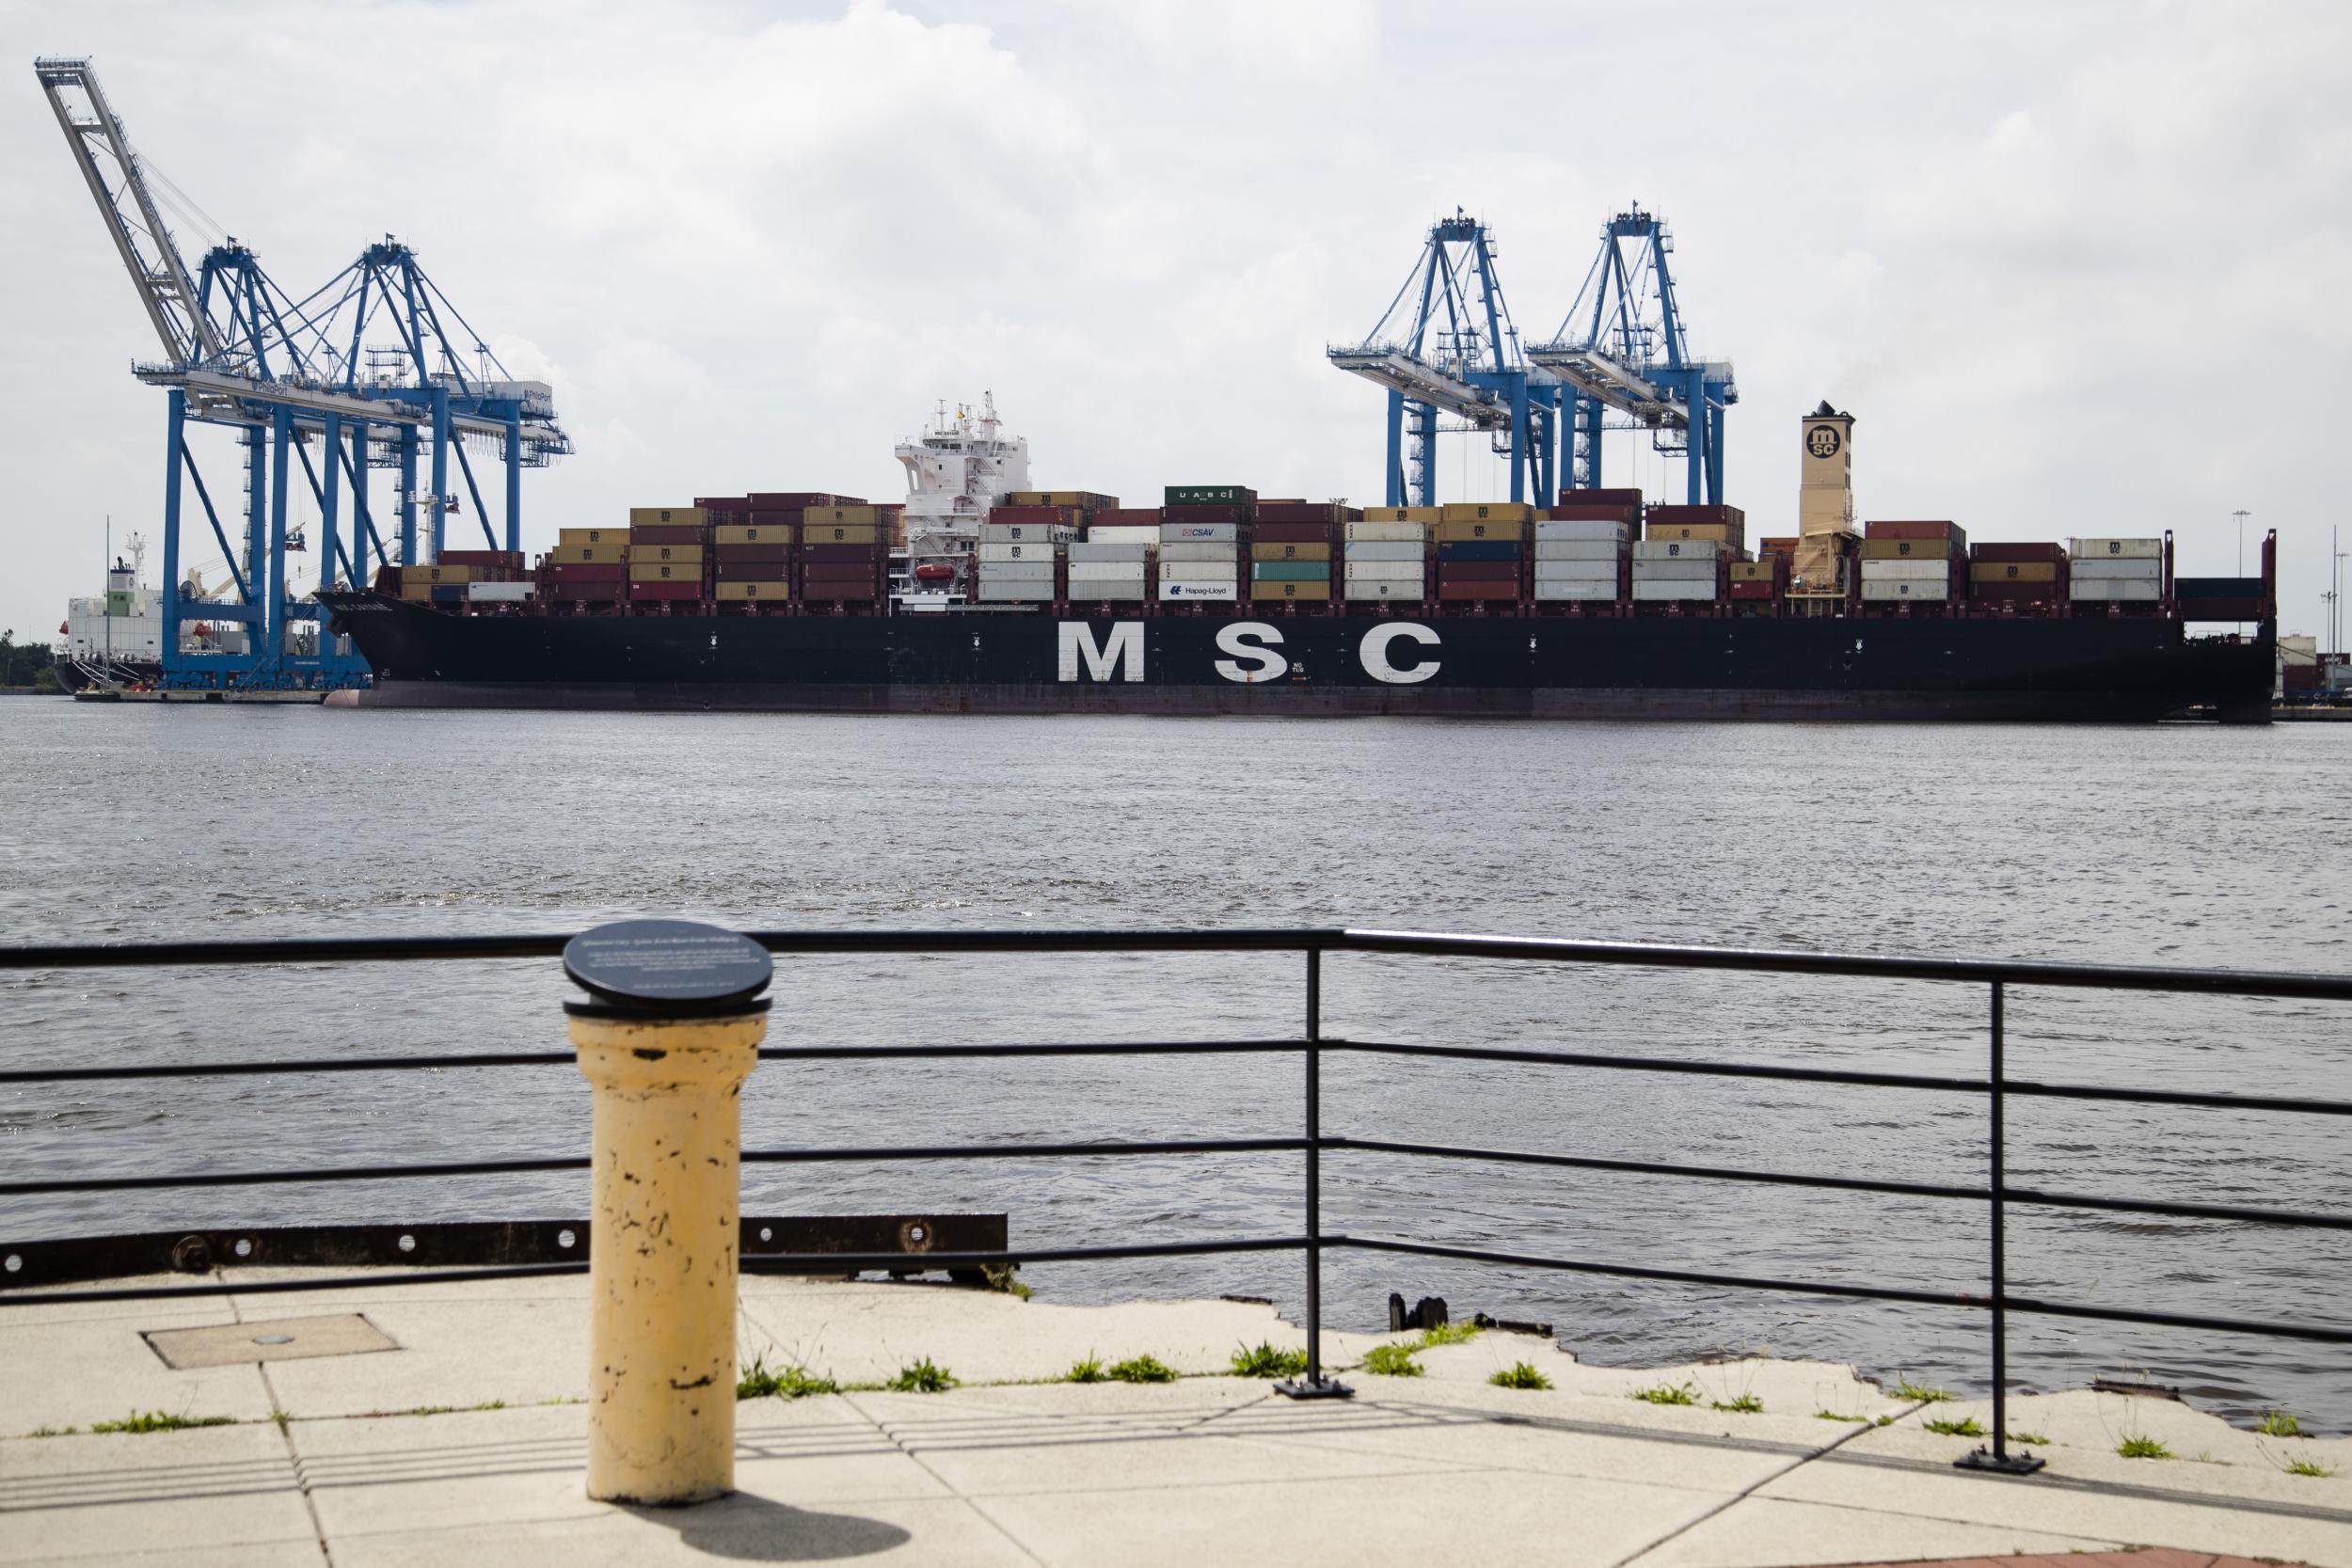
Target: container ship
(978,595)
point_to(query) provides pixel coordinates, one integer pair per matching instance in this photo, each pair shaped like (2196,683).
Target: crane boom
(92,131)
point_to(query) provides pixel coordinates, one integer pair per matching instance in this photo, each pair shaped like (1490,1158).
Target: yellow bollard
(667,1070)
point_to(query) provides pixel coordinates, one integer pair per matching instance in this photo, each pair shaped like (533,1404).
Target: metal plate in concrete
(282,1339)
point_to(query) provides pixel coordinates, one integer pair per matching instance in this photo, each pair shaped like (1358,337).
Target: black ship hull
(2075,670)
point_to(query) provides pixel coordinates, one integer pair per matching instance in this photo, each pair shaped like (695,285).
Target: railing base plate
(1999,1465)
(1304,1388)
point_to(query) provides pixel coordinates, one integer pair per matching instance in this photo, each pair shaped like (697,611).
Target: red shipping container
(1264,532)
(511,560)
(1752,589)
(2017,550)
(1477,589)
(1600,497)
(2016,592)
(839,572)
(665,590)
(728,503)
(667,534)
(752,571)
(838,554)
(862,591)
(587,572)
(753,552)
(1128,516)
(1204,514)
(586,593)
(793,500)
(1731,514)
(1916,531)
(776,517)
(1307,511)
(1477,571)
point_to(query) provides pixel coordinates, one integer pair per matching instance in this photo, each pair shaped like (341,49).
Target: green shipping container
(1290,571)
(1210,495)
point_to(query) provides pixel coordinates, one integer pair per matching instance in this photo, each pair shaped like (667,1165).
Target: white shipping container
(1674,588)
(993,550)
(1880,589)
(499,592)
(1577,549)
(2113,590)
(1025,533)
(1938,570)
(1576,571)
(1130,590)
(1124,534)
(1381,571)
(2127,568)
(1014,593)
(1582,533)
(1385,588)
(1196,550)
(2142,550)
(1674,571)
(1557,591)
(1093,550)
(1107,571)
(1199,571)
(1016,571)
(1381,549)
(1676,549)
(1388,534)
(1185,589)
(1171,533)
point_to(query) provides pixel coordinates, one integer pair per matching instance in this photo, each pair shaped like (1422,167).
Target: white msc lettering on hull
(1253,645)
(1123,651)
(1375,653)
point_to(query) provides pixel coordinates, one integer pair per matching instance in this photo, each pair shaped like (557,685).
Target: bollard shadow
(743,1526)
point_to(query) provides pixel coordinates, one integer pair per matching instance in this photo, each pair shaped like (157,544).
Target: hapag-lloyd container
(1228,590)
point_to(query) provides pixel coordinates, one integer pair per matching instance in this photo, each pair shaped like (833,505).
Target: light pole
(2241,514)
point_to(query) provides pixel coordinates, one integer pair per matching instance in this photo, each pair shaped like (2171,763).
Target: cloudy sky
(2076,268)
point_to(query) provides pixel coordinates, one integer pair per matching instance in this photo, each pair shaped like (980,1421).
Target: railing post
(1315,1386)
(1997,1457)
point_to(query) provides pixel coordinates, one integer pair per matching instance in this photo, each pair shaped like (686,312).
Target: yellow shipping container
(683,555)
(1290,589)
(841,533)
(1906,549)
(1486,512)
(591,536)
(1290,552)
(429,575)
(755,591)
(869,516)
(569,554)
(1401,513)
(1722,533)
(754,533)
(1454,529)
(1751,571)
(2012,571)
(417,592)
(667,516)
(665,571)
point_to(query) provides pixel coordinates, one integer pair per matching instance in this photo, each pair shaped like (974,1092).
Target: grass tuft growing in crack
(761,1382)
(1086,1371)
(2278,1423)
(1146,1367)
(1963,1426)
(922,1377)
(156,1421)
(1519,1374)
(1449,1334)
(2141,1446)
(1906,1389)
(1393,1361)
(1267,1360)
(1667,1393)
(1742,1404)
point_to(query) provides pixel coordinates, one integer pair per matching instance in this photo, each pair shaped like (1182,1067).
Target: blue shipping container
(1479,549)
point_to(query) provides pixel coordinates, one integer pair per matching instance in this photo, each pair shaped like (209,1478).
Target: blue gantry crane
(375,369)
(1621,350)
(1446,348)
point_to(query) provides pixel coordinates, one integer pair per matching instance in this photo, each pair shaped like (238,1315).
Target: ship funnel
(1825,520)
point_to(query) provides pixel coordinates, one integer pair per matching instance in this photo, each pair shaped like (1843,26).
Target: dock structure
(447,1424)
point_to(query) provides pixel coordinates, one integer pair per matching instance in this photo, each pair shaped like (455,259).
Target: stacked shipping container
(668,547)
(1482,551)
(1199,551)
(1290,550)
(2116,571)
(1385,554)
(1914,562)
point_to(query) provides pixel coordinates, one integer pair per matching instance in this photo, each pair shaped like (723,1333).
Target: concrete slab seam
(294,1463)
(953,1490)
(1738,1498)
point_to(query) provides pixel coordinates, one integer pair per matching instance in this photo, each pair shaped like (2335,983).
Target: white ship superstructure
(121,628)
(956,470)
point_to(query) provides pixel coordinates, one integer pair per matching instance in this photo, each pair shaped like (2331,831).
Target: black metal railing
(1996,1087)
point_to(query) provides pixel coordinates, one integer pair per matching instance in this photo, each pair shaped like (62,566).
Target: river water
(2170,844)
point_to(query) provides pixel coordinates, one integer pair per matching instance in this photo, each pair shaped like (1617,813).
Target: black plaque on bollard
(667,967)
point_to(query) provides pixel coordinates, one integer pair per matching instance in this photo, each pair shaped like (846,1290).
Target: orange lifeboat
(933,573)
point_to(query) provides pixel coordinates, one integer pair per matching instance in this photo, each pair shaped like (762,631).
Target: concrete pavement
(465,1443)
